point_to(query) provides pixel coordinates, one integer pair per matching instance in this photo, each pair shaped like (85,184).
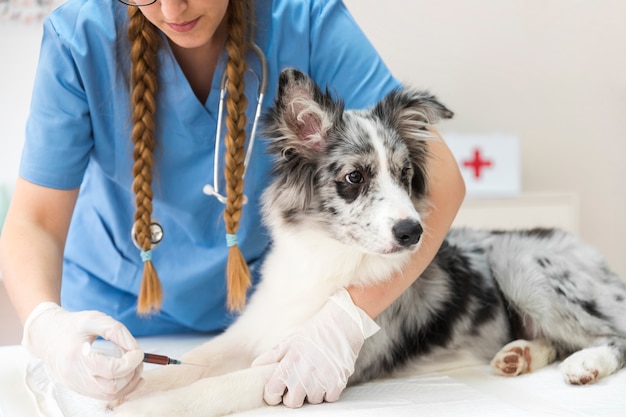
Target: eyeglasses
(137,3)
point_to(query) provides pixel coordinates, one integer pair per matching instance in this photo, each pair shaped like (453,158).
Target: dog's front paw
(588,365)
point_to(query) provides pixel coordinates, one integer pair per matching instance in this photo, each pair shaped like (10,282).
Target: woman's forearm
(31,250)
(30,271)
(446,193)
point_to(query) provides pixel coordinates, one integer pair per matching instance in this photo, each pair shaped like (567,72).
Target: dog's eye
(355,177)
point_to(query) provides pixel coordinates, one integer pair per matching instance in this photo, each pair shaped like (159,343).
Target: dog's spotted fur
(346,208)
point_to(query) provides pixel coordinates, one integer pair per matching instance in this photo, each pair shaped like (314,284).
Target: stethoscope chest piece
(156,234)
(208,189)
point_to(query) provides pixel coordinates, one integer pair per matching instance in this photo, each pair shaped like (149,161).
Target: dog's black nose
(407,232)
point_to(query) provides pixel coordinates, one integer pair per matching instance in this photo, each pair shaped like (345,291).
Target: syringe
(109,349)
(155,359)
(160,359)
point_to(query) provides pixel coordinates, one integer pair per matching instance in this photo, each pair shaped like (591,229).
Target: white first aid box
(490,163)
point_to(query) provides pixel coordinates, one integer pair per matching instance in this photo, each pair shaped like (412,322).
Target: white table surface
(463,391)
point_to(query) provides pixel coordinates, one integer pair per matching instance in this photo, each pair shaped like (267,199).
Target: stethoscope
(213,190)
(156,230)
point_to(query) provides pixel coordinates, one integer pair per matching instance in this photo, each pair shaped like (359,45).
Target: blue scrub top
(78,134)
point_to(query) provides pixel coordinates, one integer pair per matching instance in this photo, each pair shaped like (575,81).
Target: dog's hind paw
(523,356)
(512,360)
(588,365)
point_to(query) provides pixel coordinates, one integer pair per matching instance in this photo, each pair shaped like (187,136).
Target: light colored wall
(19,44)
(552,72)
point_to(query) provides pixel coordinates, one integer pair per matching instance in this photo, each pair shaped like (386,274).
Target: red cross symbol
(477,164)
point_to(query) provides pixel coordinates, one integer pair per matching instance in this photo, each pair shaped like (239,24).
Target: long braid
(144,42)
(237,273)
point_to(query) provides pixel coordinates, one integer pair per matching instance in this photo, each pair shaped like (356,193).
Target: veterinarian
(109,232)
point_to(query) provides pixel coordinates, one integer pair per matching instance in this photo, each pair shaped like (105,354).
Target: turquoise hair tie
(146,255)
(231,240)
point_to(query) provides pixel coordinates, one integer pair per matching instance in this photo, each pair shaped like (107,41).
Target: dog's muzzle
(407,232)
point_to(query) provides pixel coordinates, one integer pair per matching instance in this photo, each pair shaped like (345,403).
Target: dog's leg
(223,354)
(210,397)
(588,365)
(163,379)
(523,356)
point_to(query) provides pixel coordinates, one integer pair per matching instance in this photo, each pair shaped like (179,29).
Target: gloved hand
(316,361)
(62,340)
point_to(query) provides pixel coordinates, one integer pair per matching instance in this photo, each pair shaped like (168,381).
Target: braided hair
(237,273)
(144,45)
(144,42)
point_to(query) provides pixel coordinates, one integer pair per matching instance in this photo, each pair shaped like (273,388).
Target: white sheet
(461,391)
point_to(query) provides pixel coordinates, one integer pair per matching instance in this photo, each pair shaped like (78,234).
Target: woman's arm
(446,193)
(31,255)
(32,242)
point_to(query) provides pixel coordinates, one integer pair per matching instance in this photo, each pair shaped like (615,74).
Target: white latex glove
(62,340)
(315,362)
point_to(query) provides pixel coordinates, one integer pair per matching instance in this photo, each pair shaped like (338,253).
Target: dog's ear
(296,128)
(411,112)
(301,117)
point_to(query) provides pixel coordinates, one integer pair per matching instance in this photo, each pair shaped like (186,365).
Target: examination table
(457,388)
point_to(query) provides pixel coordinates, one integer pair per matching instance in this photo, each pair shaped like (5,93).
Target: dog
(346,207)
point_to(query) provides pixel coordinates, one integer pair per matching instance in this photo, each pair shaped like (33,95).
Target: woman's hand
(315,362)
(63,341)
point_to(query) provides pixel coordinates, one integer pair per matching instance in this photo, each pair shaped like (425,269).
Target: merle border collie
(345,207)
